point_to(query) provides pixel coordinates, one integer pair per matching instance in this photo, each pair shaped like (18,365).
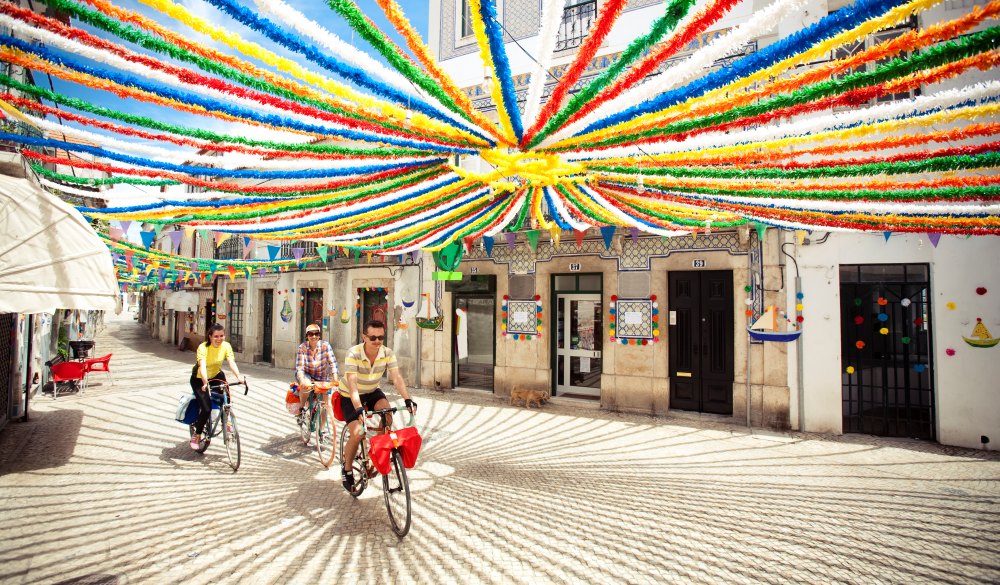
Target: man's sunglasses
(376,337)
(312,333)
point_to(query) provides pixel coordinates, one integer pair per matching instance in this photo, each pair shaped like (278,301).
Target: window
(231,249)
(236,320)
(576,21)
(308,247)
(466,19)
(870,41)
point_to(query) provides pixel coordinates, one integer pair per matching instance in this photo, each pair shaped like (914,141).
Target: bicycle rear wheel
(358,466)
(231,436)
(326,438)
(396,489)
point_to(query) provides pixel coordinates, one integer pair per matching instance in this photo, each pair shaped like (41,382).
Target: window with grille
(466,19)
(309,249)
(576,20)
(870,41)
(230,249)
(236,320)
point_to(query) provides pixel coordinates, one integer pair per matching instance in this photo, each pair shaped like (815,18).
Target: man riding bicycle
(364,366)
(314,362)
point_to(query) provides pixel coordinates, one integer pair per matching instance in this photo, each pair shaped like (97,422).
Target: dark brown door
(701,341)
(267,325)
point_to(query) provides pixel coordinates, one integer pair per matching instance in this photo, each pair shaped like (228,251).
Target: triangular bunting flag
(887,235)
(232,272)
(800,236)
(272,251)
(578,235)
(555,233)
(761,229)
(175,240)
(297,253)
(261,271)
(416,256)
(635,234)
(488,244)
(607,232)
(322,251)
(125,225)
(511,239)
(147,238)
(221,237)
(532,236)
(934,237)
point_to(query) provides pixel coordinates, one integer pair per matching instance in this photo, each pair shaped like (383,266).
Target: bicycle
(395,486)
(224,422)
(315,418)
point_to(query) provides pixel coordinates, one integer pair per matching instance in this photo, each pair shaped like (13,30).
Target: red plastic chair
(101,364)
(71,373)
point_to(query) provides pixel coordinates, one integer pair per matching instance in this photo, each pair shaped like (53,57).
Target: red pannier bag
(407,439)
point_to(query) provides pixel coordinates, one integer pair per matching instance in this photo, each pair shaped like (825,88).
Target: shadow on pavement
(46,440)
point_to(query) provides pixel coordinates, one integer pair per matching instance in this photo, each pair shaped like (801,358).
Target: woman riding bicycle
(314,362)
(209,358)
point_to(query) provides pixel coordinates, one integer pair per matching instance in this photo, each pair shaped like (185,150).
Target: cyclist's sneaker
(195,443)
(348,479)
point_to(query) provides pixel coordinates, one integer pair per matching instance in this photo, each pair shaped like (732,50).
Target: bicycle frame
(395,485)
(225,423)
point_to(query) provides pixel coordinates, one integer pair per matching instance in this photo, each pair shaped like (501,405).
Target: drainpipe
(420,331)
(749,344)
(800,359)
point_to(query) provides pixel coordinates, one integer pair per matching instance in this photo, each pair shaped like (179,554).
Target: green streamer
(94,182)
(148,41)
(931,165)
(675,11)
(360,23)
(523,213)
(938,55)
(198,133)
(928,194)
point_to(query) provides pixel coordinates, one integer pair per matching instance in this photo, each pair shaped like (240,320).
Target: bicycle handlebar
(219,384)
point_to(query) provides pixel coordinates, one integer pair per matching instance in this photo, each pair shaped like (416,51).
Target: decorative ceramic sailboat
(344,316)
(427,317)
(765,328)
(981,336)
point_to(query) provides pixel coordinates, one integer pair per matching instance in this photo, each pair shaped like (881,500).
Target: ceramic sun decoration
(981,336)
(765,328)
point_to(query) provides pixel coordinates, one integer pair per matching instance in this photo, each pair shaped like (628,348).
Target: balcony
(575,25)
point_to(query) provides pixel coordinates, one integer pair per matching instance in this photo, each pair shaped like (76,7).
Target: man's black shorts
(367,400)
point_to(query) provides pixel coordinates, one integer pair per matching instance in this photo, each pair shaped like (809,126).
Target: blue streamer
(337,216)
(553,210)
(469,221)
(161,90)
(488,11)
(839,21)
(358,76)
(195,170)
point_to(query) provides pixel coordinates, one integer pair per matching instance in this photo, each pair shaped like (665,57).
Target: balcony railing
(575,25)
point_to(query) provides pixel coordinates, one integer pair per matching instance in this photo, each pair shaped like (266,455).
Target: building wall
(965,384)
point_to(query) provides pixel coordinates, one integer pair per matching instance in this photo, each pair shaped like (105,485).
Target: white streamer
(910,108)
(552,11)
(760,24)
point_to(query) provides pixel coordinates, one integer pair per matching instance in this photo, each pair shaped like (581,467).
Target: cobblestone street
(103,488)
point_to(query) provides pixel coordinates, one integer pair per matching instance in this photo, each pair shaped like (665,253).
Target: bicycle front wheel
(231,436)
(396,489)
(326,438)
(305,420)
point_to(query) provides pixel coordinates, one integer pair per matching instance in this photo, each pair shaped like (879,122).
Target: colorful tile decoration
(634,321)
(521,319)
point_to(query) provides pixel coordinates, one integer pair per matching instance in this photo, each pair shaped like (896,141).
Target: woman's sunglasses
(312,333)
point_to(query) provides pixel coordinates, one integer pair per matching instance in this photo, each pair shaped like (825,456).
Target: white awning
(50,257)
(183,300)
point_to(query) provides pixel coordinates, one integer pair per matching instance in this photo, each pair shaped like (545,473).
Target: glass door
(579,342)
(474,340)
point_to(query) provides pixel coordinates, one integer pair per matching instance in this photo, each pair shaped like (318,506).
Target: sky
(316,10)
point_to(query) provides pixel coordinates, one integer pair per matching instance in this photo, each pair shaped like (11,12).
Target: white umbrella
(50,257)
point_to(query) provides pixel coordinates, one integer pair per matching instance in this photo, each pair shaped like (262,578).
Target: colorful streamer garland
(763,139)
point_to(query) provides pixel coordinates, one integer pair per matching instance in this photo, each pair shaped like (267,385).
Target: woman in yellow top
(210,356)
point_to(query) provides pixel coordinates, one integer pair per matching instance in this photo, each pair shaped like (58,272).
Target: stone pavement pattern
(102,488)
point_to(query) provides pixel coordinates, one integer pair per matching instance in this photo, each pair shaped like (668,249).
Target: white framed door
(579,341)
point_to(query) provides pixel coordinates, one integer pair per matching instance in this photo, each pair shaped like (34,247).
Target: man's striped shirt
(369,373)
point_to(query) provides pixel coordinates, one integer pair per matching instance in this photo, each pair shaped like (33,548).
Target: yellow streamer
(479,29)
